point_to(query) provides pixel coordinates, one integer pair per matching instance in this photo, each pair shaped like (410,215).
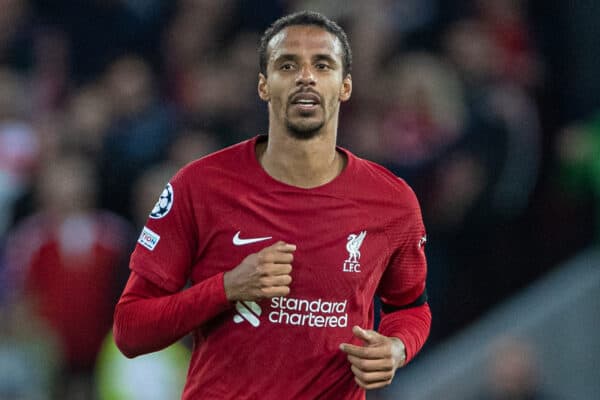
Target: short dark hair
(305,18)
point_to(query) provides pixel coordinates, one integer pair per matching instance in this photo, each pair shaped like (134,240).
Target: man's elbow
(124,341)
(126,349)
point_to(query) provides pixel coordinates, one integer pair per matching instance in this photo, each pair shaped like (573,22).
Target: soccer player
(286,239)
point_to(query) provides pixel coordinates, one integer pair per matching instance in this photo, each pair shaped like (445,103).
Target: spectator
(190,145)
(16,34)
(426,112)
(19,145)
(140,135)
(517,58)
(513,372)
(88,117)
(67,260)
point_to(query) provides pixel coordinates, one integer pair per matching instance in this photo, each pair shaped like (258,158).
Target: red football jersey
(357,236)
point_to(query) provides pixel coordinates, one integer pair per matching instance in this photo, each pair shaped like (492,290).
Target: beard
(304,130)
(306,126)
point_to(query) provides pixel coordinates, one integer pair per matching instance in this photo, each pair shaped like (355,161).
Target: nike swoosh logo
(241,242)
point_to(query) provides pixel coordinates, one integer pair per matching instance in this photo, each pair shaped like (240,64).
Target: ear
(346,89)
(263,88)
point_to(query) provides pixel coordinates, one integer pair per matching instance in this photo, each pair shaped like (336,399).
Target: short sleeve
(165,249)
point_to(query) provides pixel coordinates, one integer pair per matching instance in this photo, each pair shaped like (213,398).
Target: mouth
(305,101)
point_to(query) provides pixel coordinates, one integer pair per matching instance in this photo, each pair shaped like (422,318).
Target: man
(285,239)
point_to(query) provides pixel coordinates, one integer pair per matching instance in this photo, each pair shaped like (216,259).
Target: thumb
(366,335)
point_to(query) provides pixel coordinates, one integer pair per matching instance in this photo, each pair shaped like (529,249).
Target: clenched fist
(261,275)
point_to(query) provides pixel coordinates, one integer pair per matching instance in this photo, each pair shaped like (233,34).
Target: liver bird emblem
(353,246)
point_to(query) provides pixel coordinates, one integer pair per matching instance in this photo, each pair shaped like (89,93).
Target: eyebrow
(316,57)
(325,57)
(285,57)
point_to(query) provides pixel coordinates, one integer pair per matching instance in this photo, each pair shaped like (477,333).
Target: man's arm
(401,335)
(410,323)
(149,318)
(406,317)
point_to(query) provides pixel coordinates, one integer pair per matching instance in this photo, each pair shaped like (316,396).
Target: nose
(305,76)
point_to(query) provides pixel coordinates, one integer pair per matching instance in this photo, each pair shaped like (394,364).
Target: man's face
(305,82)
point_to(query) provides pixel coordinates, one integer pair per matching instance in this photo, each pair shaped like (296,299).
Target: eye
(288,66)
(322,66)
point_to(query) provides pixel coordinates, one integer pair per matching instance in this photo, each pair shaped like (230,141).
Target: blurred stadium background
(488,108)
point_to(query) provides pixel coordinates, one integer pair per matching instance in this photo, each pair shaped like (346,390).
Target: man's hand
(261,275)
(375,363)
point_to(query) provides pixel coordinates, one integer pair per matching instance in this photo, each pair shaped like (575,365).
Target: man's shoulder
(380,179)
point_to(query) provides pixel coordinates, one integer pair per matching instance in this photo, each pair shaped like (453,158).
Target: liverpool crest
(352,263)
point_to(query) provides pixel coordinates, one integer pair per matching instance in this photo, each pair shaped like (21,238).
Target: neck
(302,163)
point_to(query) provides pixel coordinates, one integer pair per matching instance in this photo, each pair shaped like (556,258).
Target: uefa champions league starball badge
(164,203)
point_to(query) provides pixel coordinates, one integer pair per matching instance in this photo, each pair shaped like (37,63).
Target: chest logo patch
(238,241)
(249,311)
(164,203)
(352,263)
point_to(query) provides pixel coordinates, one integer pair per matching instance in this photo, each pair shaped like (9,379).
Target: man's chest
(341,244)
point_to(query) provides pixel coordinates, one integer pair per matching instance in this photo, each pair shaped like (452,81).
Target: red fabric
(411,325)
(73,289)
(282,347)
(174,315)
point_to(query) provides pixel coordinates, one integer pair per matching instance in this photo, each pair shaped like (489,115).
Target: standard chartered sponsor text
(312,313)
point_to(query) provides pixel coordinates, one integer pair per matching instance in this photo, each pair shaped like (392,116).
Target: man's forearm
(149,318)
(411,325)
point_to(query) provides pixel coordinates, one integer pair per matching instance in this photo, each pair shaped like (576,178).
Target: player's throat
(300,163)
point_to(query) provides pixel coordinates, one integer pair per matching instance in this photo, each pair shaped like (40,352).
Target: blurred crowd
(102,101)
